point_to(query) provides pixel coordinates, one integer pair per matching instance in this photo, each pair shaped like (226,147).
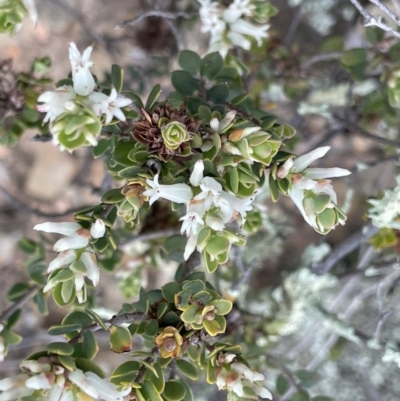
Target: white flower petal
(78,378)
(55,393)
(190,246)
(71,242)
(58,228)
(302,162)
(38,382)
(106,389)
(63,259)
(98,229)
(297,196)
(321,173)
(197,173)
(92,270)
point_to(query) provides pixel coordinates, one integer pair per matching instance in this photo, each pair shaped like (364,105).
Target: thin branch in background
(321,57)
(17,205)
(383,314)
(176,33)
(372,21)
(285,371)
(387,11)
(126,318)
(190,264)
(293,27)
(155,13)
(245,271)
(342,250)
(19,304)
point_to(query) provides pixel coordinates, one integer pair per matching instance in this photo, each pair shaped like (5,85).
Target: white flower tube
(84,83)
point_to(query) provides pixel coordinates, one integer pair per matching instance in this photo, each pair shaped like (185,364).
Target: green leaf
(10,338)
(78,318)
(57,330)
(125,372)
(217,245)
(223,306)
(100,148)
(17,291)
(174,391)
(26,245)
(189,61)
(89,345)
(169,290)
(301,396)
(190,313)
(282,384)
(67,361)
(150,392)
(187,369)
(120,339)
(151,328)
(89,366)
(354,57)
(117,77)
(307,377)
(184,83)
(157,379)
(321,202)
(60,348)
(113,196)
(97,318)
(211,65)
(153,96)
(189,394)
(212,327)
(218,93)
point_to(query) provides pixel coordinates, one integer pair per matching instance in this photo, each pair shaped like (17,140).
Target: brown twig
(16,204)
(155,13)
(188,266)
(114,321)
(143,368)
(18,304)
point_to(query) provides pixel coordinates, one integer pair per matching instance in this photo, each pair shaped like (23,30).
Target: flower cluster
(385,212)
(47,377)
(310,190)
(228,25)
(78,112)
(76,259)
(238,379)
(12,13)
(208,209)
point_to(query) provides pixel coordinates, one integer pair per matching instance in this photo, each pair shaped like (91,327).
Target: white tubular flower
(221,126)
(237,9)
(54,103)
(311,192)
(246,28)
(241,376)
(98,229)
(82,77)
(232,206)
(32,11)
(77,237)
(109,105)
(179,193)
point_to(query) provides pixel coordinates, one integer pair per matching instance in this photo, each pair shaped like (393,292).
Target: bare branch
(16,204)
(19,304)
(114,321)
(321,57)
(155,13)
(387,11)
(351,244)
(371,21)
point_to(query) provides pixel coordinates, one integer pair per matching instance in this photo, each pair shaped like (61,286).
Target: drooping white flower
(80,63)
(76,236)
(241,376)
(237,9)
(220,126)
(179,193)
(242,27)
(30,6)
(304,181)
(109,105)
(54,102)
